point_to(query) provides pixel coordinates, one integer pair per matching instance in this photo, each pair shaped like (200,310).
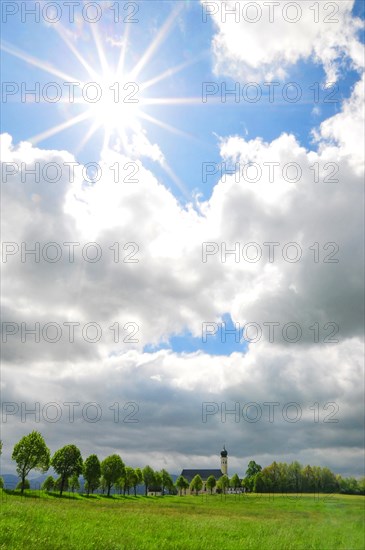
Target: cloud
(262,41)
(164,415)
(345,130)
(170,290)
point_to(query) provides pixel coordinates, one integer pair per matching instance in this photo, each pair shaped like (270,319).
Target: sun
(117,106)
(116,101)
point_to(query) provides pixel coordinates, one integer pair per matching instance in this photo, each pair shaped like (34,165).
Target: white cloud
(265,50)
(346,129)
(168,406)
(171,290)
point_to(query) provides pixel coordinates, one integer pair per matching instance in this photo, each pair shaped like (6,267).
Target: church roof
(204,474)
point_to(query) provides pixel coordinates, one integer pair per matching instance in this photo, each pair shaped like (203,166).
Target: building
(189,474)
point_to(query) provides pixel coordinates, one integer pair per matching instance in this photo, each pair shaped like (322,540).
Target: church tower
(224,461)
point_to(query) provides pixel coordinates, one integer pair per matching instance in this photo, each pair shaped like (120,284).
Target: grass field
(41,521)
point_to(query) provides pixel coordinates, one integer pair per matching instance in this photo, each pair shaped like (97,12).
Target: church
(205,473)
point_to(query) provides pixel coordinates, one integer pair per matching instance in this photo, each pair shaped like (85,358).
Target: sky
(189,180)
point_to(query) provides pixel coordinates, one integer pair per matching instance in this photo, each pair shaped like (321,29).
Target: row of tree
(32,453)
(221,484)
(294,478)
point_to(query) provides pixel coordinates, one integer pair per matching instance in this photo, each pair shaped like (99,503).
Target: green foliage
(120,485)
(112,468)
(361,485)
(166,481)
(280,477)
(92,473)
(129,478)
(351,486)
(67,462)
(1,446)
(58,483)
(196,484)
(103,485)
(182,483)
(211,483)
(30,453)
(157,482)
(137,479)
(223,483)
(1,483)
(74,482)
(148,478)
(48,484)
(252,469)
(235,482)
(24,486)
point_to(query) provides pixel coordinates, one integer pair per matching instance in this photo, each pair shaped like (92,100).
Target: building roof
(224,452)
(204,474)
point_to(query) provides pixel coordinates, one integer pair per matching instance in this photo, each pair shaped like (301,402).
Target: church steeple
(224,460)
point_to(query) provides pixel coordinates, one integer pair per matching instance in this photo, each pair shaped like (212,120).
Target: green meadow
(45,521)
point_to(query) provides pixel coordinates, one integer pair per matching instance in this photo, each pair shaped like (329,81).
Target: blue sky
(202,121)
(170,293)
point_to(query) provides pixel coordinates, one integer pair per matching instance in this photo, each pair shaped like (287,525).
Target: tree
(67,462)
(30,453)
(91,473)
(58,483)
(235,482)
(129,478)
(196,484)
(74,482)
(211,483)
(26,485)
(1,446)
(361,484)
(295,476)
(137,480)
(166,481)
(112,468)
(329,483)
(260,483)
(182,483)
(148,477)
(223,483)
(134,478)
(88,487)
(272,473)
(253,468)
(120,485)
(48,484)
(308,478)
(349,485)
(156,486)
(103,485)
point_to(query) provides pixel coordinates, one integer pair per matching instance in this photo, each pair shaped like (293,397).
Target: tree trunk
(23,483)
(62,484)
(109,487)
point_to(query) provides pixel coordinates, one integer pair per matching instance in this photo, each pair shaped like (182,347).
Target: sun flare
(112,99)
(117,107)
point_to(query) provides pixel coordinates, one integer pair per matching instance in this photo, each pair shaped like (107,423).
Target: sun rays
(115,104)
